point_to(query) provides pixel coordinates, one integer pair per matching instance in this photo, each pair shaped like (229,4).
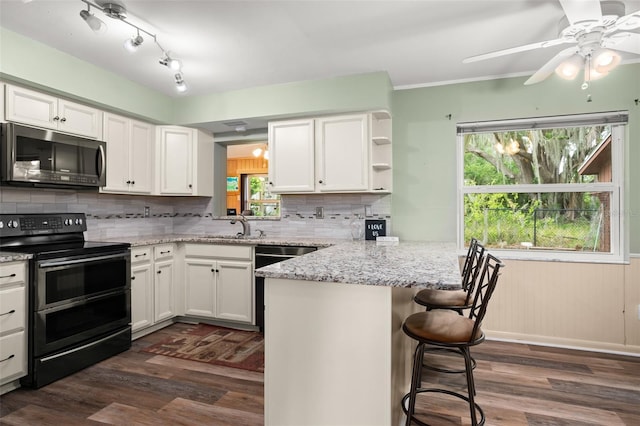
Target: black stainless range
(79,293)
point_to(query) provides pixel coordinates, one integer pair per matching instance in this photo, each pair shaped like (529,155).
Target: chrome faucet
(246,229)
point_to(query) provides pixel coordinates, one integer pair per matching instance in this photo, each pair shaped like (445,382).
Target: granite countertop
(408,264)
(7,256)
(226,239)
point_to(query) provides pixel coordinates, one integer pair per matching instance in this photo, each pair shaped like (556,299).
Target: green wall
(424,155)
(32,63)
(341,94)
(424,137)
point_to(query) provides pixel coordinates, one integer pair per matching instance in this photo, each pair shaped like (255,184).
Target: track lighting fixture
(94,23)
(173,64)
(131,44)
(116,10)
(181,86)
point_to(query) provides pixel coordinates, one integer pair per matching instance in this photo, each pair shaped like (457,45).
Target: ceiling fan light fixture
(94,23)
(604,60)
(570,68)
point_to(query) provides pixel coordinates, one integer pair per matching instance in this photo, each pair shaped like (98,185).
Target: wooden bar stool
(445,328)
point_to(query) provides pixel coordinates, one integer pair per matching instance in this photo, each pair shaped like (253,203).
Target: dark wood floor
(516,385)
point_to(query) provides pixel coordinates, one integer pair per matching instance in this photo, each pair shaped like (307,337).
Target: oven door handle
(82,260)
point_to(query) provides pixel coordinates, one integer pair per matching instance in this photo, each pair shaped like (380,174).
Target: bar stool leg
(471,386)
(416,382)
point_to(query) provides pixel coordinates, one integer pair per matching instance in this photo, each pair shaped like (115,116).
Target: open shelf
(381,140)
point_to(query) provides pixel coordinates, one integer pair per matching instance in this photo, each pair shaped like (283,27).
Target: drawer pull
(165,252)
(8,313)
(8,276)
(140,255)
(7,358)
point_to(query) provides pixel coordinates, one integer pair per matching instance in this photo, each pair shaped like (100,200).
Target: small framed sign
(375,228)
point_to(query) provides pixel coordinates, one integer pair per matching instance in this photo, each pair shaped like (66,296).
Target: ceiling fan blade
(624,42)
(628,22)
(581,10)
(547,69)
(518,49)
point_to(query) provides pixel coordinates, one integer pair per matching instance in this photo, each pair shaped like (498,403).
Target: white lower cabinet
(13,321)
(218,282)
(152,285)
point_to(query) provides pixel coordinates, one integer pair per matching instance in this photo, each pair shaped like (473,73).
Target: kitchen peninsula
(335,352)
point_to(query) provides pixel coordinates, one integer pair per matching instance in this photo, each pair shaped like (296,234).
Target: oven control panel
(15,225)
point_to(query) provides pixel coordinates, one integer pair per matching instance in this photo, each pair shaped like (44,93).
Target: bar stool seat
(446,329)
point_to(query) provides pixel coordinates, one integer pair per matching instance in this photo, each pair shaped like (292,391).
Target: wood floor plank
(179,410)
(31,415)
(235,400)
(122,414)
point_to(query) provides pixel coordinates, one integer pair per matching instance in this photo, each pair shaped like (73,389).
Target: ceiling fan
(597,31)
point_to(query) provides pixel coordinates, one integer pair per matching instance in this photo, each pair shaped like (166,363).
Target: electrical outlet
(319,212)
(146,211)
(367,210)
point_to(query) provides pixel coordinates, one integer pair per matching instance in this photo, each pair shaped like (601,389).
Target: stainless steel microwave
(45,158)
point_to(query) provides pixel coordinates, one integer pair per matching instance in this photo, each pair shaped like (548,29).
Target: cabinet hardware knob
(133,278)
(8,276)
(56,118)
(139,255)
(165,252)
(133,182)
(8,313)
(63,119)
(319,181)
(159,272)
(128,182)
(217,270)
(190,186)
(7,358)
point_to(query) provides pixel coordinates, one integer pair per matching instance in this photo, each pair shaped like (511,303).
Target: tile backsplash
(112,216)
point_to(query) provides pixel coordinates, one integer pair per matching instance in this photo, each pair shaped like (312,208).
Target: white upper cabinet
(184,161)
(345,153)
(291,156)
(342,153)
(42,110)
(129,155)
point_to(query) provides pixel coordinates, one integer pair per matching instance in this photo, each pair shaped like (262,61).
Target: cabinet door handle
(7,358)
(62,120)
(190,186)
(133,182)
(319,181)
(8,313)
(133,278)
(159,272)
(56,118)
(128,182)
(8,276)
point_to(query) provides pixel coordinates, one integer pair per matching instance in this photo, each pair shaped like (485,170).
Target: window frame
(617,120)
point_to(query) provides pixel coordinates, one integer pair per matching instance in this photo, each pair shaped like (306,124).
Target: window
(257,198)
(545,188)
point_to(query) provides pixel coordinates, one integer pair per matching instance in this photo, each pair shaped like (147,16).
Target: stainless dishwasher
(268,255)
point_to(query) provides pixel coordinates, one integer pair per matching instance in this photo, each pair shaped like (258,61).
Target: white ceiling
(229,45)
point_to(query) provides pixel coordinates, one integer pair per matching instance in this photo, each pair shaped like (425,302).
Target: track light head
(181,86)
(133,43)
(94,23)
(171,63)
